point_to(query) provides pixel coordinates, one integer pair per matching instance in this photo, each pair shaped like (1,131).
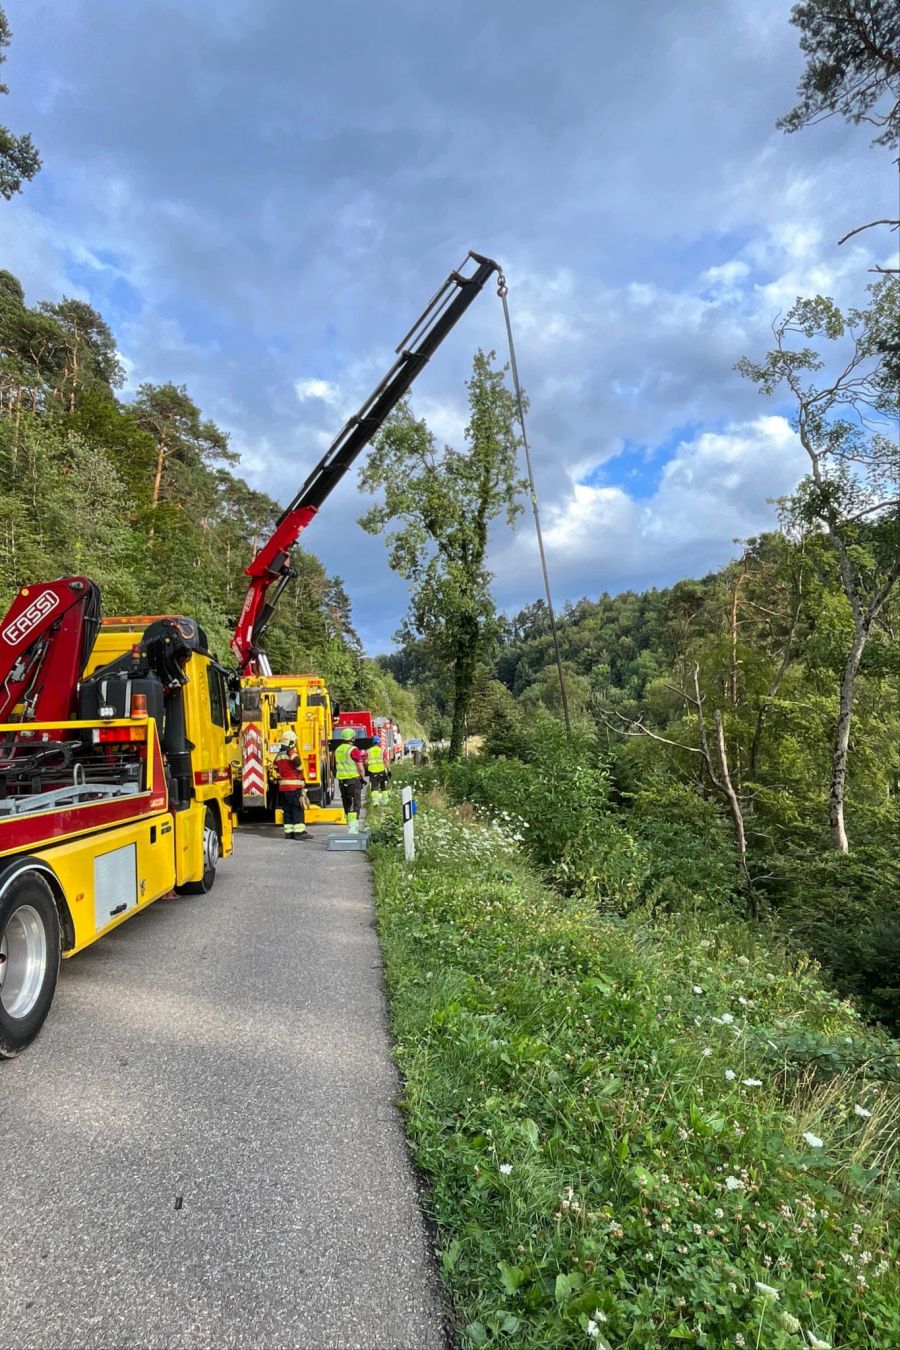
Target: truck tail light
(311,766)
(139,705)
(113,735)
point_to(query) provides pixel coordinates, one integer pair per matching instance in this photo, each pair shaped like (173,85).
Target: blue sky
(260,197)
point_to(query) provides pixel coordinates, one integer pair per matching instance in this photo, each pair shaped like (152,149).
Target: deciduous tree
(442,504)
(845,412)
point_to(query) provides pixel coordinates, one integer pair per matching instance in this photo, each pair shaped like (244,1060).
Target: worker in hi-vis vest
(378,771)
(288,770)
(350,772)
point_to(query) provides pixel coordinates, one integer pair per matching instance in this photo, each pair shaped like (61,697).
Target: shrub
(843,909)
(671,850)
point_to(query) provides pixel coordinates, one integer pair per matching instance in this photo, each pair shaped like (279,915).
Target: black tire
(212,848)
(327,786)
(29,945)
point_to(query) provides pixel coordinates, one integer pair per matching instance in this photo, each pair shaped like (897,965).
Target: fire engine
(114,788)
(270,571)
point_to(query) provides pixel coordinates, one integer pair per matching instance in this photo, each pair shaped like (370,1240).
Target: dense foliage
(141,496)
(852,50)
(638,1130)
(630,803)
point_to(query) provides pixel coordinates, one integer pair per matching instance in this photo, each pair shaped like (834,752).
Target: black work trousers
(291,802)
(351,794)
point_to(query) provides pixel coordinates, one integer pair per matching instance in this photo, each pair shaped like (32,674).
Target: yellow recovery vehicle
(269,704)
(114,788)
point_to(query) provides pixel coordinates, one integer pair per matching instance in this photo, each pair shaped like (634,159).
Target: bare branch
(635,727)
(894,224)
(867,511)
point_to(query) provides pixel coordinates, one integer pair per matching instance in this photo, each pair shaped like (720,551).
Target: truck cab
(197,734)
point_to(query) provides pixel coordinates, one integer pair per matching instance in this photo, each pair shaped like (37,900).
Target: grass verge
(636,1133)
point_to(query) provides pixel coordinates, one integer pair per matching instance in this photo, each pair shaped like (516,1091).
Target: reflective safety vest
(376,759)
(345,764)
(290,774)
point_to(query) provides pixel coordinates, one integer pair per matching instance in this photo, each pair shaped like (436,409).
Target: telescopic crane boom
(271,568)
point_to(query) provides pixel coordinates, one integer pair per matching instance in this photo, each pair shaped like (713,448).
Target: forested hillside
(143,494)
(760,642)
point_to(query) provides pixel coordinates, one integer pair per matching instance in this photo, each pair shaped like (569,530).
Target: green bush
(844,910)
(671,850)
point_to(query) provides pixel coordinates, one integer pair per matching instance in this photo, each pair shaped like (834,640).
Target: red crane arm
(45,640)
(272,564)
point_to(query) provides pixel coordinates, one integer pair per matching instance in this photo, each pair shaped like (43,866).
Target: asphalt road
(201,1148)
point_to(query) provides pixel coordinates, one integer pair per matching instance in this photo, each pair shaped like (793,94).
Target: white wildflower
(742,1001)
(743,961)
(726,1018)
(861,1112)
(592,1329)
(790,1322)
(599,1317)
(752,1082)
(730,1075)
(696,989)
(813,1139)
(733,1184)
(739,1341)
(767,1291)
(707,1052)
(816,1344)
(505,1169)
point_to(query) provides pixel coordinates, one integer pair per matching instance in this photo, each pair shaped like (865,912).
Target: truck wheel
(29,960)
(211,850)
(327,787)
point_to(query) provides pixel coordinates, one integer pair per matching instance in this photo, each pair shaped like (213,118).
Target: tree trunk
(734,805)
(842,742)
(463,677)
(157,479)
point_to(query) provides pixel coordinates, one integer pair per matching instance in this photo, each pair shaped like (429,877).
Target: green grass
(600,1170)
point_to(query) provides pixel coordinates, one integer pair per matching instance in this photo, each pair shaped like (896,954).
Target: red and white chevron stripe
(253,778)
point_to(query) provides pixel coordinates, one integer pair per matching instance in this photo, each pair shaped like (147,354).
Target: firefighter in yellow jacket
(379,773)
(291,786)
(350,773)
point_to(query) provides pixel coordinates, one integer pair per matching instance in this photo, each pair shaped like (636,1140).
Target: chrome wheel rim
(210,849)
(23,961)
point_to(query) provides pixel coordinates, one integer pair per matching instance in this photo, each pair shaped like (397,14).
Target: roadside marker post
(409,811)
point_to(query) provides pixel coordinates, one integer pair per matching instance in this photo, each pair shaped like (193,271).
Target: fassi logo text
(23,623)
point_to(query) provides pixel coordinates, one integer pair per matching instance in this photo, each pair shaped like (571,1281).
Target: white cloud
(712,491)
(318,389)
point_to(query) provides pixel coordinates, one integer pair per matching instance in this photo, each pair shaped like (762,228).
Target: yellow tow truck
(115,781)
(269,705)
